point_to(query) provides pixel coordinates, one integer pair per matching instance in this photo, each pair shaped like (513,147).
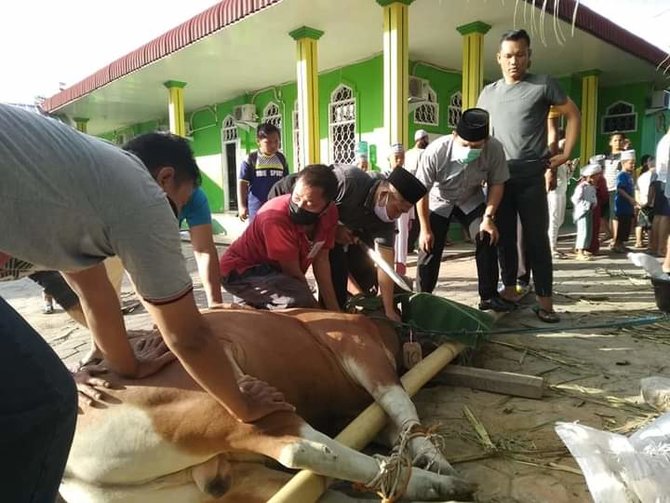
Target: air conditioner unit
(418,89)
(245,113)
(660,99)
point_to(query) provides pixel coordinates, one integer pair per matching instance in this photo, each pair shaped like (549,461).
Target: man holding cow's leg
(71,224)
(368,206)
(265,267)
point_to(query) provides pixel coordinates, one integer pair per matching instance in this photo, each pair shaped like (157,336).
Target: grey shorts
(264,287)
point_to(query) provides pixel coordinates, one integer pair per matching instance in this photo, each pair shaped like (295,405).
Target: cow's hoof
(435,464)
(429,486)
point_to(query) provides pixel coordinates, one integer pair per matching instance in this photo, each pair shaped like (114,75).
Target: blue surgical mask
(463,154)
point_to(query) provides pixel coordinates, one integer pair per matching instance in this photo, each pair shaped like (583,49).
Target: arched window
(342,125)
(296,137)
(455,109)
(272,115)
(428,113)
(228,129)
(619,117)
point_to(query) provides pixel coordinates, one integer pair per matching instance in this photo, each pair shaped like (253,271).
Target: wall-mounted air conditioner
(660,99)
(245,113)
(418,89)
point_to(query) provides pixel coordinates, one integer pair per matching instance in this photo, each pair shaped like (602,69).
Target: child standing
(624,201)
(584,201)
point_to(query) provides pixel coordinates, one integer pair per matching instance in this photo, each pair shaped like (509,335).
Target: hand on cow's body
(88,385)
(152,355)
(262,399)
(426,241)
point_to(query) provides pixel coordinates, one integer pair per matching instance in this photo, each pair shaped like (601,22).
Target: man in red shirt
(265,267)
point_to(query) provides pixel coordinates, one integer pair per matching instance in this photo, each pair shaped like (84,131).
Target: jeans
(527,198)
(428,264)
(38,412)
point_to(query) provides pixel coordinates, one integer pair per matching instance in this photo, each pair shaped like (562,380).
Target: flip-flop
(546,316)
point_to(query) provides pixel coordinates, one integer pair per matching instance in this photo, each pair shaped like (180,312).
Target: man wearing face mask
(368,206)
(265,267)
(456,167)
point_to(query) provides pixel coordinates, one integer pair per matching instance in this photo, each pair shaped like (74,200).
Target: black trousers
(354,261)
(428,264)
(527,198)
(625,226)
(55,285)
(38,412)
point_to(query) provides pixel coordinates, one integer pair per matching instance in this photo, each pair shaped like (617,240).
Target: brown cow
(163,439)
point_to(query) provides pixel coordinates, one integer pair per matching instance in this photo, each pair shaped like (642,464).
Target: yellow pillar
(473,63)
(589,112)
(308,93)
(176,106)
(80,123)
(396,72)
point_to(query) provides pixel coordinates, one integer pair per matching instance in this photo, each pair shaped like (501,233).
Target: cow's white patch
(124,448)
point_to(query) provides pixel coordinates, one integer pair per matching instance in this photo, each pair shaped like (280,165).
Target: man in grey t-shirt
(519,107)
(456,167)
(67,201)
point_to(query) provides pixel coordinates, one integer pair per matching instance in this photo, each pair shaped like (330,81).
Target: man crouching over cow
(265,267)
(67,202)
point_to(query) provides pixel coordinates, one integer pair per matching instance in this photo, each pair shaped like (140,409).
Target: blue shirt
(261,177)
(196,210)
(622,206)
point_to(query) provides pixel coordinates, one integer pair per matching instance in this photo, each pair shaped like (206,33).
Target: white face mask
(464,154)
(382,214)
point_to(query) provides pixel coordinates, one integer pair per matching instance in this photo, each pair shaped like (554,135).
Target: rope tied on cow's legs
(395,470)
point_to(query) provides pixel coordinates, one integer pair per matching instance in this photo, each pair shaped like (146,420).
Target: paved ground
(592,373)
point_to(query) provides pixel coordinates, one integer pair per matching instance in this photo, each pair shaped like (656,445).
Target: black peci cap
(409,186)
(473,125)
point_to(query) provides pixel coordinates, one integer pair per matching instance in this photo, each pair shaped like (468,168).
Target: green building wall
(365,78)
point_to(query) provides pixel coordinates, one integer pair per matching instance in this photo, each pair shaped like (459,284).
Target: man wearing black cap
(456,166)
(368,205)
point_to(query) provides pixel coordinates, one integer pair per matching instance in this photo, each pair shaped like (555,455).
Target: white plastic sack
(620,469)
(656,392)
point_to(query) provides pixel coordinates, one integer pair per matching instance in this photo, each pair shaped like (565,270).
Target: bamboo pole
(307,486)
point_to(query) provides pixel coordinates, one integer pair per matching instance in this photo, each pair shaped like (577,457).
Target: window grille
(228,129)
(342,125)
(620,118)
(428,113)
(455,109)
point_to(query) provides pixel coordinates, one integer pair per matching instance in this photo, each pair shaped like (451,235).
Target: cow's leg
(379,378)
(404,421)
(299,446)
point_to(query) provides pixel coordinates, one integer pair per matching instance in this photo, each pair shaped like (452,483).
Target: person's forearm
(242,195)
(208,269)
(572,129)
(205,360)
(493,198)
(322,273)
(386,284)
(422,211)
(102,311)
